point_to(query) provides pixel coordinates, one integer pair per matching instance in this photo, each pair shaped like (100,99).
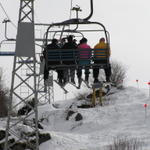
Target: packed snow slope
(123,115)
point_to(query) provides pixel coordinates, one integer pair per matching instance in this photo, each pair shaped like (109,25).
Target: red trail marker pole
(145,106)
(149,88)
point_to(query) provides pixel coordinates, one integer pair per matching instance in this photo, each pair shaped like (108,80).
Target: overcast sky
(128,22)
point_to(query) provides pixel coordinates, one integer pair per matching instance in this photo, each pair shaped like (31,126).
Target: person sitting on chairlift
(52,45)
(84,59)
(70,44)
(101,45)
(62,42)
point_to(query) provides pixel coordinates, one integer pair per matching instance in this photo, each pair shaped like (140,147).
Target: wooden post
(94,97)
(97,86)
(100,96)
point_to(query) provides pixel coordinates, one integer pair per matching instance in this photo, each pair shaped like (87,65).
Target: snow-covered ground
(123,116)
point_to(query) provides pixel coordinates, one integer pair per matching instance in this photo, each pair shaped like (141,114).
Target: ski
(74,85)
(86,83)
(61,86)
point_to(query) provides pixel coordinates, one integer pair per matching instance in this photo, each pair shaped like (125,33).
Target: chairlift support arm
(74,23)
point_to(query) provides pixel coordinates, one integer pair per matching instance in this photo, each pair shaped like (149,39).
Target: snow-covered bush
(82,96)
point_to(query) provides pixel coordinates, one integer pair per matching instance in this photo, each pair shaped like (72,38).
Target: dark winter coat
(68,53)
(52,53)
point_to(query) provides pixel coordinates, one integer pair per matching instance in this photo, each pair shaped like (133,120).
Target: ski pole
(145,106)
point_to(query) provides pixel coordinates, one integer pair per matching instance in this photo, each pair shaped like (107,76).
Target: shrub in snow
(85,106)
(69,114)
(15,145)
(11,141)
(39,125)
(82,96)
(74,115)
(44,137)
(78,117)
(27,108)
(126,144)
(2,134)
(118,74)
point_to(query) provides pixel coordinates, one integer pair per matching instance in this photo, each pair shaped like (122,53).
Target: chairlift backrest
(73,55)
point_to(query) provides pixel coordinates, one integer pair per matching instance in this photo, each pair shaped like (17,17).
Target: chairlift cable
(7,15)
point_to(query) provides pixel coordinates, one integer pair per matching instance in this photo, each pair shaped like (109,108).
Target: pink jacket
(84,53)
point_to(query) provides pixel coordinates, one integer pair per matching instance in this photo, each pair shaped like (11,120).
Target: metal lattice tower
(24,59)
(45,91)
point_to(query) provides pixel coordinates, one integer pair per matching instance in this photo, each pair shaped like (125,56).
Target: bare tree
(118,73)
(3,98)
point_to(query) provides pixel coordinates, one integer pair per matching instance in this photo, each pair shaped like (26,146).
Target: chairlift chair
(57,54)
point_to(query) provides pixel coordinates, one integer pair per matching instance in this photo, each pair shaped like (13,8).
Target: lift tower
(23,76)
